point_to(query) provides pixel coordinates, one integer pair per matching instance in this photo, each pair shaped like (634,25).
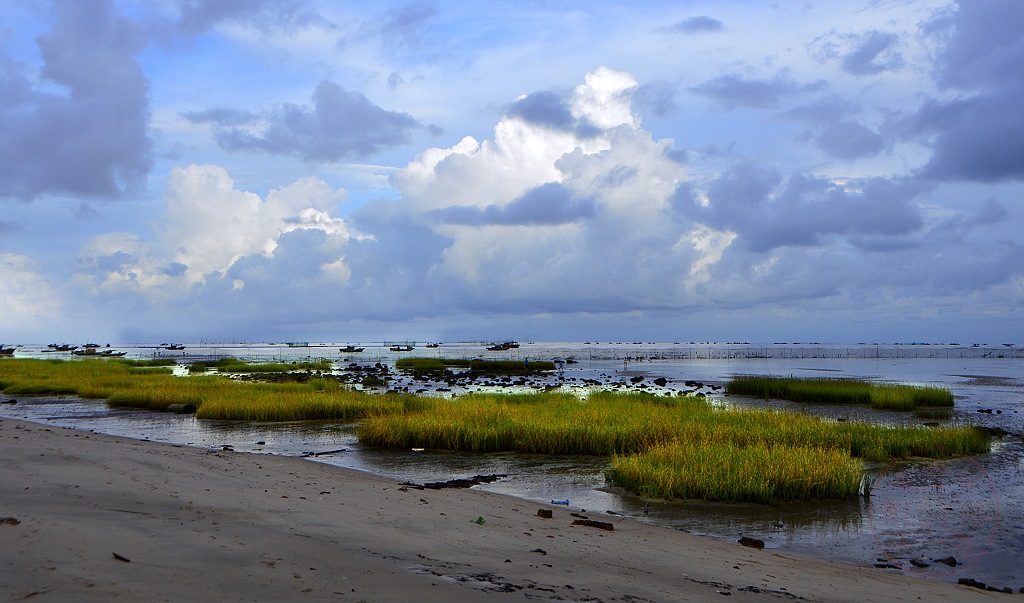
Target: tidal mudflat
(968,508)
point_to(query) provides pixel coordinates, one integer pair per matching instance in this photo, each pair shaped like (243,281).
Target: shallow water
(972,508)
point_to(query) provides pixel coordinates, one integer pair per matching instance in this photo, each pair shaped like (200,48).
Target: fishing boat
(6,351)
(402,348)
(350,349)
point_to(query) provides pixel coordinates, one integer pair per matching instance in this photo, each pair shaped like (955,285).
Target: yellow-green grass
(621,423)
(727,472)
(503,367)
(215,397)
(420,364)
(605,423)
(233,365)
(841,391)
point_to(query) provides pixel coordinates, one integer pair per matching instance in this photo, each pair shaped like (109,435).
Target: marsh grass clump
(419,364)
(493,367)
(234,365)
(620,423)
(510,367)
(759,473)
(841,391)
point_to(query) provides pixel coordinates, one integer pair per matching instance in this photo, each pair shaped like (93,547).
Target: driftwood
(462,482)
(604,525)
(309,454)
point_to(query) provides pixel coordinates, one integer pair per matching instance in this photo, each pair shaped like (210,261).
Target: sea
(940,520)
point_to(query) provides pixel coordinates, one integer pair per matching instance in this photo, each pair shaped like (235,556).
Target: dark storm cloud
(90,138)
(979,135)
(979,138)
(767,210)
(733,91)
(548,204)
(339,124)
(701,24)
(873,54)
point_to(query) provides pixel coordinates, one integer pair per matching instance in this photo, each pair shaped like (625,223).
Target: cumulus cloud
(26,295)
(82,129)
(339,124)
(207,228)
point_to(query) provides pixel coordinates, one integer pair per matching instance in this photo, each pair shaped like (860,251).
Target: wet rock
(754,543)
(11,401)
(661,381)
(971,582)
(9,521)
(545,513)
(916,562)
(950,561)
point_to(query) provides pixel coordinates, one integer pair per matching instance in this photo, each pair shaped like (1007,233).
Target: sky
(321,170)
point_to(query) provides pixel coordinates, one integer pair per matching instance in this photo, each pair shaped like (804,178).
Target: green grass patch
(841,391)
(679,447)
(234,365)
(726,472)
(498,367)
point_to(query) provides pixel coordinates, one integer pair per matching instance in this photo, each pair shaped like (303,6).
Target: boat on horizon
(402,348)
(6,351)
(93,352)
(350,349)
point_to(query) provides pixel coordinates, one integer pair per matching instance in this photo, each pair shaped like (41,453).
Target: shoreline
(196,524)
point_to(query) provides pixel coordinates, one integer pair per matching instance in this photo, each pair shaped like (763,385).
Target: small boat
(62,347)
(99,354)
(433,345)
(174,347)
(402,348)
(350,349)
(6,351)
(497,347)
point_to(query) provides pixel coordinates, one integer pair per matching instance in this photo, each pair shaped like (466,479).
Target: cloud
(859,54)
(701,24)
(835,132)
(732,91)
(873,54)
(768,210)
(978,134)
(549,203)
(83,129)
(340,124)
(26,294)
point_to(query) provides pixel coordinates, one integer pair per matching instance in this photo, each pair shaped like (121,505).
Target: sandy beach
(90,517)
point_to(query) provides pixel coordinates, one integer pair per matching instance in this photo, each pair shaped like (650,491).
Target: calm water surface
(972,509)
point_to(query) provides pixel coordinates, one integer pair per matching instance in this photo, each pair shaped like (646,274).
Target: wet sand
(90,517)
